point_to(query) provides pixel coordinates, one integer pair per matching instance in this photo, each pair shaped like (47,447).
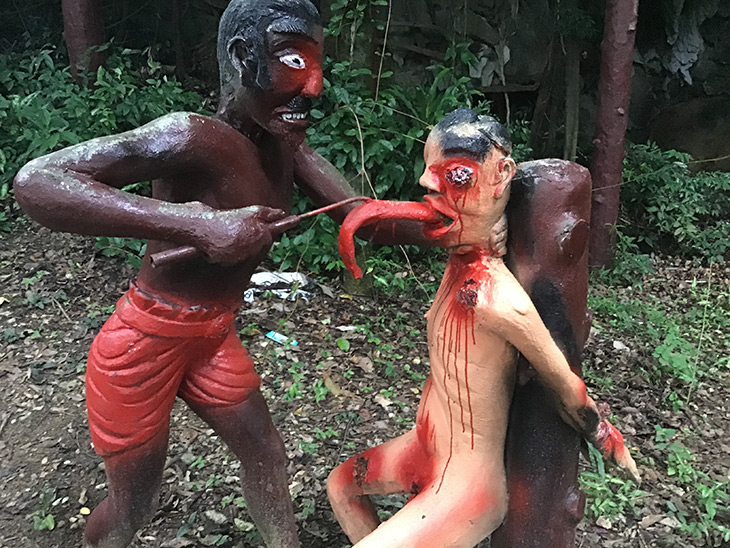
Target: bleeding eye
(293,60)
(460,176)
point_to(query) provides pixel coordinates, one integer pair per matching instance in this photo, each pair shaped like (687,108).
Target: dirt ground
(343,388)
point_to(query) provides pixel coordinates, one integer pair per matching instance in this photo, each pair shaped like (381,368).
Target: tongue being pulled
(380,210)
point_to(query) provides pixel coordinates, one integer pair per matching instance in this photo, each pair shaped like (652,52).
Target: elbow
(32,191)
(24,185)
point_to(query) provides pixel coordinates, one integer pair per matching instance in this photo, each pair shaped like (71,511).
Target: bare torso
(227,171)
(463,412)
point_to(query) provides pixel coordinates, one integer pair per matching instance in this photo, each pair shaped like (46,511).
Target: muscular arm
(78,189)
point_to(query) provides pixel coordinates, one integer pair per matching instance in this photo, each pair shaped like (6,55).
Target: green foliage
(609,496)
(630,264)
(43,519)
(129,249)
(42,109)
(670,209)
(705,496)
(673,335)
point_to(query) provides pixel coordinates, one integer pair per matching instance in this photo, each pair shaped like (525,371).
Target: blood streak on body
(464,280)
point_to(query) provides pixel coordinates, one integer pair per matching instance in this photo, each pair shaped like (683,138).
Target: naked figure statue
(222,187)
(452,462)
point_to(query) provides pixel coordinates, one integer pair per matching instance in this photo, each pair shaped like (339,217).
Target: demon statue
(222,185)
(452,462)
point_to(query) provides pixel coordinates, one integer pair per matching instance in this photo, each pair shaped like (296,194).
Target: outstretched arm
(519,323)
(78,189)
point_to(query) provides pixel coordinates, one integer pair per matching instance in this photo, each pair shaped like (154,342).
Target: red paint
(480,501)
(609,440)
(455,179)
(377,210)
(464,281)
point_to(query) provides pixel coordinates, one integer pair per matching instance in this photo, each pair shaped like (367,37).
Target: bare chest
(232,173)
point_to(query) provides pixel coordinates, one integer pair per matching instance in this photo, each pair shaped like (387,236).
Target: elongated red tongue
(372,212)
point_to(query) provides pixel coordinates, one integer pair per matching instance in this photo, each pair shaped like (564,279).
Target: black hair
(465,132)
(250,21)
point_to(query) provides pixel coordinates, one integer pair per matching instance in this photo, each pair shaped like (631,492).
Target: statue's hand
(608,440)
(231,236)
(498,237)
(589,419)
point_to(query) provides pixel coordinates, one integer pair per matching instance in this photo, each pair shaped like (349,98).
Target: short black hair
(465,132)
(251,20)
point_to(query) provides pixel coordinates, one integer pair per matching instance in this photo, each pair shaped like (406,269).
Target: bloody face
(295,65)
(464,191)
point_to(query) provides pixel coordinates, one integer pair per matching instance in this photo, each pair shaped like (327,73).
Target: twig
(709,160)
(6,418)
(702,333)
(410,267)
(382,54)
(65,315)
(364,172)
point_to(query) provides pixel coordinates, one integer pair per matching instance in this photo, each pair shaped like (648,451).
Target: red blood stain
(466,274)
(609,439)
(378,210)
(456,178)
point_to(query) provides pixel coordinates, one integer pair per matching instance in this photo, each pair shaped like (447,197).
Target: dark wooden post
(83,28)
(548,211)
(614,91)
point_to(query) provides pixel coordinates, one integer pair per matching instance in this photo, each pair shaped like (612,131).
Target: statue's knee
(492,507)
(340,483)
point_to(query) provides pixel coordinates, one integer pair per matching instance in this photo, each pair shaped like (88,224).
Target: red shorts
(148,353)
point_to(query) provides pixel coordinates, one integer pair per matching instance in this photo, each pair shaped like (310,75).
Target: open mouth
(296,111)
(447,217)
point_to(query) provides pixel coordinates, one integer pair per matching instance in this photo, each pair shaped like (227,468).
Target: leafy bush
(42,109)
(667,208)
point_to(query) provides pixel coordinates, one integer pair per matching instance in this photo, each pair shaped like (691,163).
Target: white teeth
(291,116)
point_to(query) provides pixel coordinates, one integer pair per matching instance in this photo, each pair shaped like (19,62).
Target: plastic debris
(285,285)
(281,338)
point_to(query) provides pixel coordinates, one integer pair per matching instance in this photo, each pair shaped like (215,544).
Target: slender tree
(83,28)
(617,53)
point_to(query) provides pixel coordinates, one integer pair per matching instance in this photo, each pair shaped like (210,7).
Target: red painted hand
(609,441)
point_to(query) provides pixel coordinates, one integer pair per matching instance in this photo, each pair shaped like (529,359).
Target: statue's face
(295,66)
(464,190)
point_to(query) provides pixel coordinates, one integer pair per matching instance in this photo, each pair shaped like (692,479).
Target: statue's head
(270,58)
(468,171)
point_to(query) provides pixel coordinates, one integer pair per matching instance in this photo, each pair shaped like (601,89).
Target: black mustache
(299,104)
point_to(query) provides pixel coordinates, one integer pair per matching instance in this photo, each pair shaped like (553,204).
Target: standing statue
(222,185)
(452,462)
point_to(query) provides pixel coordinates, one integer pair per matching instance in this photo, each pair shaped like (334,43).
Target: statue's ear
(573,237)
(239,52)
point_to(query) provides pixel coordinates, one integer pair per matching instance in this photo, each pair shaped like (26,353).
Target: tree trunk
(614,91)
(548,215)
(83,28)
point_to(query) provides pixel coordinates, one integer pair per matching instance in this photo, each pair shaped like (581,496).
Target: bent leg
(400,465)
(459,514)
(248,431)
(133,482)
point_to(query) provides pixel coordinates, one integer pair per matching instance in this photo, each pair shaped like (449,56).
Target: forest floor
(658,354)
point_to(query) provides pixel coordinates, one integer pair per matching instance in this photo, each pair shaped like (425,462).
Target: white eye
(293,60)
